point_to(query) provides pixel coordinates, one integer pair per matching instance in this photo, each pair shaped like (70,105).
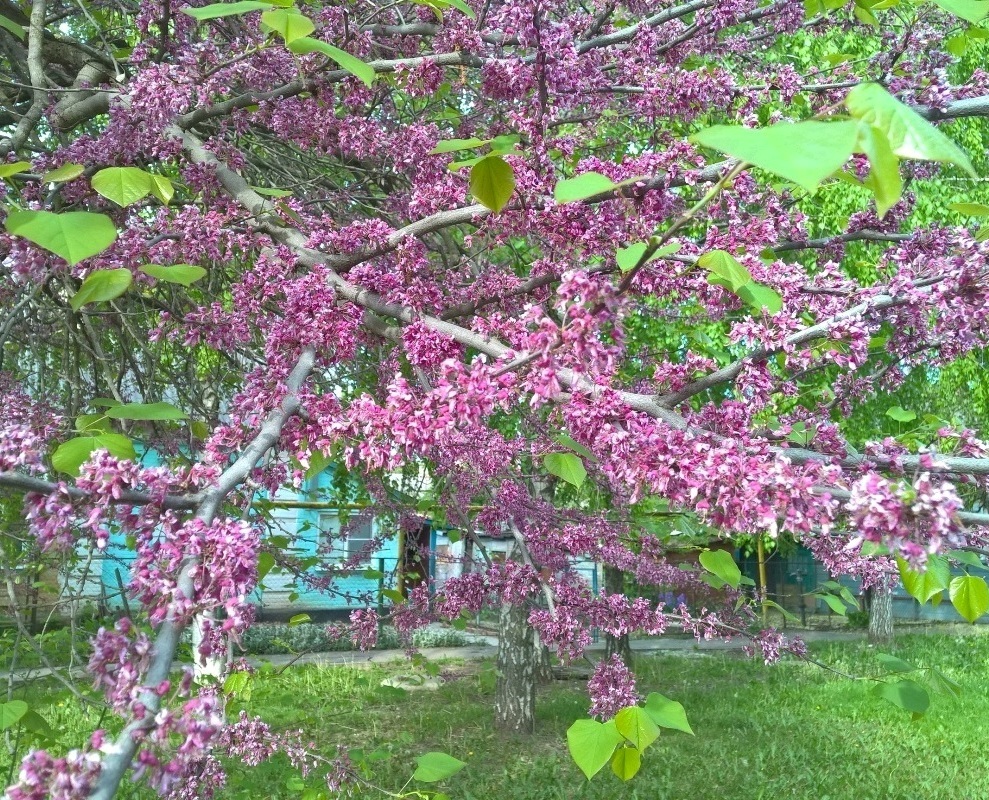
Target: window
(358,531)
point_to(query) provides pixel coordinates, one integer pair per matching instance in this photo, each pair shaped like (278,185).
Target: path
(488,648)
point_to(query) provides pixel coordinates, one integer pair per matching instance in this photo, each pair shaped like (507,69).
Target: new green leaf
(909,135)
(971,209)
(453,145)
(14,27)
(591,744)
(906,694)
(15,168)
(565,466)
(182,274)
(760,297)
(63,174)
(462,7)
(636,725)
(722,565)
(288,23)
(217,10)
(970,596)
(11,713)
(974,11)
(161,187)
(924,585)
(100,286)
(626,762)
(74,235)
(725,270)
(146,411)
(667,713)
(587,184)
(434,767)
(884,179)
(900,414)
(344,60)
(123,185)
(803,152)
(894,664)
(492,182)
(74,453)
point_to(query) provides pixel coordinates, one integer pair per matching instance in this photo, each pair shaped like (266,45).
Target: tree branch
(118,761)
(25,483)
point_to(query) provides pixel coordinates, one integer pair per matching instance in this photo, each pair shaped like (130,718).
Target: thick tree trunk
(515,692)
(544,662)
(881,615)
(214,666)
(614,583)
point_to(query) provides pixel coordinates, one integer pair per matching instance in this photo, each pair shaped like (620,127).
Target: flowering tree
(569,260)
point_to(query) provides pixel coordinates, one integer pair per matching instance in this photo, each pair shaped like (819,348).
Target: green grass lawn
(792,730)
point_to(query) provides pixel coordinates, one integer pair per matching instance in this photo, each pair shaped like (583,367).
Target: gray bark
(881,615)
(515,691)
(614,583)
(544,662)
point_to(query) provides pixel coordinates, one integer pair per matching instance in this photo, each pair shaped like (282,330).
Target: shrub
(279,638)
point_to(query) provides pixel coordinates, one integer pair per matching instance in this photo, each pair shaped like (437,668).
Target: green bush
(858,619)
(279,638)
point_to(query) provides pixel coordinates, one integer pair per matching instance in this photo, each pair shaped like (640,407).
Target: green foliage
(565,466)
(592,743)
(667,713)
(927,584)
(288,23)
(344,60)
(492,182)
(127,185)
(156,412)
(15,28)
(806,732)
(726,271)
(804,152)
(623,739)
(637,726)
(970,596)
(182,274)
(722,566)
(973,11)
(14,168)
(908,134)
(629,257)
(453,145)
(11,713)
(71,455)
(838,598)
(64,173)
(901,414)
(100,286)
(583,186)
(433,767)
(906,694)
(218,10)
(626,762)
(74,235)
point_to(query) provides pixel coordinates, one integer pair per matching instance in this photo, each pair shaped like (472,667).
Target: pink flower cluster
(914,520)
(612,688)
(220,559)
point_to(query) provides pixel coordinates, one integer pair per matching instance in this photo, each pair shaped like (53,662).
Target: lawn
(793,730)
